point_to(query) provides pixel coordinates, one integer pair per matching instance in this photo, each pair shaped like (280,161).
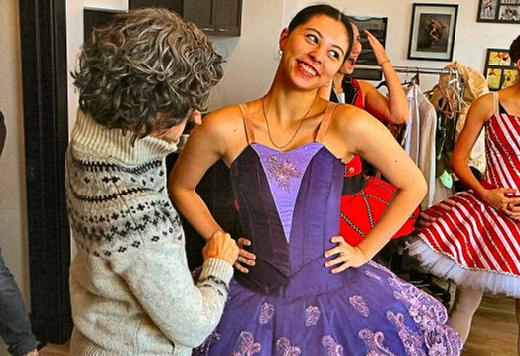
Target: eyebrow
(319,33)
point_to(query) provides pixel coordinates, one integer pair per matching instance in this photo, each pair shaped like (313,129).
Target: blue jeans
(15,327)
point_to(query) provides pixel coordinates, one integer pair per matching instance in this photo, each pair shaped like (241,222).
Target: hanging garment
(364,198)
(419,139)
(475,85)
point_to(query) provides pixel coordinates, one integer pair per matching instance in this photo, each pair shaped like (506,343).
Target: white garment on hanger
(341,97)
(419,140)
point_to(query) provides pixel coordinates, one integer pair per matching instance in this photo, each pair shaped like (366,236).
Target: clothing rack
(417,70)
(457,84)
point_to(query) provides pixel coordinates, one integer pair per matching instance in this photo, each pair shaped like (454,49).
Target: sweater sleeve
(158,277)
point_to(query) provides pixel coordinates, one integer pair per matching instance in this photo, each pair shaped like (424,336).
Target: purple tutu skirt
(373,313)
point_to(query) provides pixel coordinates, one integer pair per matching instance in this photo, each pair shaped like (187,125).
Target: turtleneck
(94,139)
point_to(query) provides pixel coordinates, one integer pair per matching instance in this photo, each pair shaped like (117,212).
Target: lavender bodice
(289,207)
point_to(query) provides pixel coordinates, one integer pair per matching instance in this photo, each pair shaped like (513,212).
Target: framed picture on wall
(432,33)
(499,70)
(499,11)
(377,26)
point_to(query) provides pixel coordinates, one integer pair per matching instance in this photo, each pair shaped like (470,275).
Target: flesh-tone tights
(466,303)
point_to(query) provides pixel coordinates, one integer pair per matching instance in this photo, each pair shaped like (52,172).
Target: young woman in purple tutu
(308,291)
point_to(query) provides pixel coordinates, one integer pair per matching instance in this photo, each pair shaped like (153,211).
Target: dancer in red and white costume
(473,237)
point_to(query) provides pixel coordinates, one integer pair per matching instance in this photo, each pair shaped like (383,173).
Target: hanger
(382,84)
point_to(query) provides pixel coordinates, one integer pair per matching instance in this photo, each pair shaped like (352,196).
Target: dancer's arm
(480,111)
(207,144)
(369,138)
(394,108)
(203,149)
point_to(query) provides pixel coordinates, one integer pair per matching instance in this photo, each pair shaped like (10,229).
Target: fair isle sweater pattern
(131,289)
(115,231)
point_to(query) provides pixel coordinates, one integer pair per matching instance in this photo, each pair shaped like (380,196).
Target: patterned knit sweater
(131,290)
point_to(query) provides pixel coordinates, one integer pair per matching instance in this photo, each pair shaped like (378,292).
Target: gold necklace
(295,132)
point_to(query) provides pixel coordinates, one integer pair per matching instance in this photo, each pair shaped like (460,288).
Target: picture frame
(499,71)
(378,27)
(432,32)
(499,11)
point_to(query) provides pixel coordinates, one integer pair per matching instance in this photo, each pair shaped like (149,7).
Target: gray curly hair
(148,61)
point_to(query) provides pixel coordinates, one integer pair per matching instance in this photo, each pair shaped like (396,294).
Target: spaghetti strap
(496,103)
(250,136)
(324,125)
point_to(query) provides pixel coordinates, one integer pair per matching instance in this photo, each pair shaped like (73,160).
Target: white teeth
(308,69)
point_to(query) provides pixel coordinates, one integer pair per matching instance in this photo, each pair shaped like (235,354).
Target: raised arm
(370,139)
(394,108)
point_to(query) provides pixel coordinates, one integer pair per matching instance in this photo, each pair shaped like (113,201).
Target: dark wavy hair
(305,14)
(514,50)
(148,61)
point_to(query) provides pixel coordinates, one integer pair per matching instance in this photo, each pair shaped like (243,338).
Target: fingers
(339,240)
(197,117)
(337,260)
(241,268)
(245,259)
(247,255)
(241,261)
(334,251)
(341,268)
(242,241)
(513,211)
(243,252)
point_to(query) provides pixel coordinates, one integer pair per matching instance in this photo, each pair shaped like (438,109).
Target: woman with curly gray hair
(139,81)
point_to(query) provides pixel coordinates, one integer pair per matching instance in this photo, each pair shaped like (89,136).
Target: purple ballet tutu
(290,303)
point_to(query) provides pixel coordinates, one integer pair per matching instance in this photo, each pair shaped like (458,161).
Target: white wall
(252,57)
(13,207)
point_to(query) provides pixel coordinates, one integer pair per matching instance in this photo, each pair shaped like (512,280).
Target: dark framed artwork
(499,11)
(432,33)
(376,26)
(499,71)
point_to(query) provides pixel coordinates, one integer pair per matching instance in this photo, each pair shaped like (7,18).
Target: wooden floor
(493,333)
(494,330)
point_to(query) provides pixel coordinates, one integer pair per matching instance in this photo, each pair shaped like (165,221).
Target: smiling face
(313,51)
(350,63)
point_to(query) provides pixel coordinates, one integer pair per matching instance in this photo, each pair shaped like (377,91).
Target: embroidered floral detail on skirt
(430,316)
(203,350)
(374,343)
(373,275)
(266,313)
(312,315)
(412,341)
(246,345)
(284,348)
(283,171)
(331,347)
(359,305)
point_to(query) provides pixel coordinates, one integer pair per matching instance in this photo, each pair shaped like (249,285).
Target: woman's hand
(347,256)
(498,198)
(379,50)
(244,257)
(220,245)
